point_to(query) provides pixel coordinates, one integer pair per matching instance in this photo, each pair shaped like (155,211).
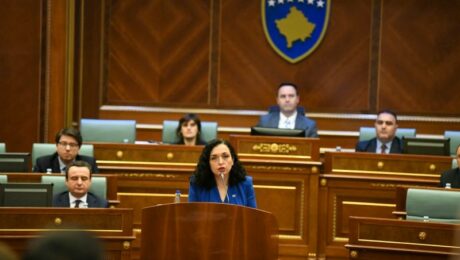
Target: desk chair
(112,131)
(2,148)
(367,133)
(208,131)
(439,205)
(98,186)
(454,141)
(41,149)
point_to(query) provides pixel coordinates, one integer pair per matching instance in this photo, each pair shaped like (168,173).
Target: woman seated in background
(220,177)
(189,130)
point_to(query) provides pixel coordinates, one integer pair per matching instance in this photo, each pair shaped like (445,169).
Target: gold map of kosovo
(295,26)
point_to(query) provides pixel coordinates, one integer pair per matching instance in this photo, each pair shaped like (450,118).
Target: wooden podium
(208,231)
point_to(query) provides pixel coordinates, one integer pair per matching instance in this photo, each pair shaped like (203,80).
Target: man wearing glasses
(68,143)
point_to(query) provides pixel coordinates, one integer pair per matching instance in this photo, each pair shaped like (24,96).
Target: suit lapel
(56,167)
(299,123)
(372,146)
(274,120)
(396,146)
(91,200)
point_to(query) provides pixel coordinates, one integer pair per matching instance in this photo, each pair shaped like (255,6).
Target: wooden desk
(145,158)
(112,180)
(364,184)
(377,238)
(112,226)
(285,172)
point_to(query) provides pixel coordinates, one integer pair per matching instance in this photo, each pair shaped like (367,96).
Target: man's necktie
(287,123)
(77,203)
(383,148)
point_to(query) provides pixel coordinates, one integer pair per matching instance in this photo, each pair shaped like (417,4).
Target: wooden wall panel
(158,52)
(251,71)
(20,73)
(420,57)
(90,40)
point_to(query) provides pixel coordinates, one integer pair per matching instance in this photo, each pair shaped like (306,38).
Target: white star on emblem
(301,1)
(310,2)
(320,3)
(280,1)
(290,1)
(271,2)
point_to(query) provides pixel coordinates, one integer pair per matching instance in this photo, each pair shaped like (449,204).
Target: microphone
(222,177)
(226,187)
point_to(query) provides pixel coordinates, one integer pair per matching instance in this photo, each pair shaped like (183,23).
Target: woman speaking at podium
(220,177)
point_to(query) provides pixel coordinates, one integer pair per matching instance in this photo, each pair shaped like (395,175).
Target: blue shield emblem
(295,28)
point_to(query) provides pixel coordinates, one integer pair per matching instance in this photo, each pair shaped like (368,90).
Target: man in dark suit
(386,140)
(452,176)
(68,143)
(78,181)
(287,114)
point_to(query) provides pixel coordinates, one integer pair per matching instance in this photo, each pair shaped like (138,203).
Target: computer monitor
(256,130)
(14,162)
(26,194)
(426,146)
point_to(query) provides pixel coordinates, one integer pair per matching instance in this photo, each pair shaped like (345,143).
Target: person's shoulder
(310,121)
(363,145)
(84,157)
(60,198)
(193,179)
(248,181)
(48,157)
(452,171)
(96,201)
(60,194)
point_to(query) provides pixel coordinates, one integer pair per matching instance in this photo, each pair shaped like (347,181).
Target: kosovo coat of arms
(295,28)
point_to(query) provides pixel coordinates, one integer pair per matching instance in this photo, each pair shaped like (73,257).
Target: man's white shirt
(287,122)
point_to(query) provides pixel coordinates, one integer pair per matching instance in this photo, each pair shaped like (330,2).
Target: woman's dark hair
(185,119)
(203,175)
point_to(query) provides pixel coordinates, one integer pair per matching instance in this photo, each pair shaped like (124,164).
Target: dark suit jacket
(301,122)
(451,176)
(62,200)
(52,161)
(371,145)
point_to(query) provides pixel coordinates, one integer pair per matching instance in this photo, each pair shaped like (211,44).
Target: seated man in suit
(68,143)
(386,140)
(287,114)
(452,176)
(78,181)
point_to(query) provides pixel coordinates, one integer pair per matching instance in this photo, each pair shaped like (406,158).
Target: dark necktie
(77,203)
(383,148)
